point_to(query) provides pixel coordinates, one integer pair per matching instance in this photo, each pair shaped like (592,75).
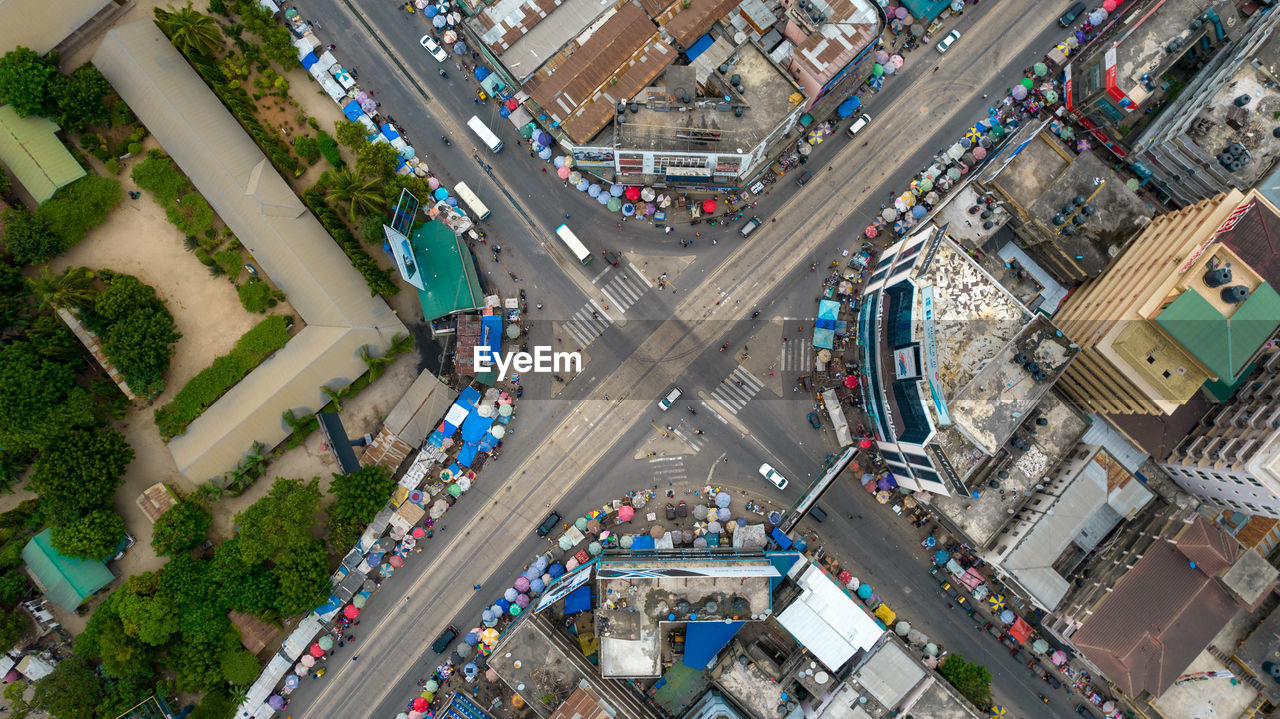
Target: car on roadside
(749,226)
(611,257)
(682,509)
(665,403)
(122,548)
(442,642)
(757,188)
(671,511)
(1053,681)
(433,49)
(858,124)
(948,41)
(803,178)
(768,472)
(814,420)
(548,524)
(1071,14)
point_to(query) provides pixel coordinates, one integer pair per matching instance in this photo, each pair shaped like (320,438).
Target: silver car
(665,403)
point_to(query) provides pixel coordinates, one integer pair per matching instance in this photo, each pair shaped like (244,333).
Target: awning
(704,640)
(643,541)
(849,106)
(579,600)
(308,60)
(352,111)
(699,47)
(971,579)
(777,535)
(1020,630)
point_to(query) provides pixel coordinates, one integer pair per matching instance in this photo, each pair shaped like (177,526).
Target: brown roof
(1255,530)
(254,633)
(156,500)
(1156,620)
(561,88)
(514,25)
(643,68)
(1212,549)
(1256,239)
(583,703)
(819,50)
(655,7)
(687,24)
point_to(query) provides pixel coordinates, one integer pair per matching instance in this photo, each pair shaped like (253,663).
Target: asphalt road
(580,450)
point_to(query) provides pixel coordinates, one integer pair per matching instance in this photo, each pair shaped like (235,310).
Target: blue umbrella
(582,185)
(864,591)
(628,209)
(373,559)
(594,190)
(545,154)
(942,556)
(471,639)
(918,212)
(441,193)
(407,152)
(451,202)
(556,570)
(503,603)
(504,112)
(603,198)
(538,147)
(482,72)
(616,190)
(559,161)
(430,11)
(930,542)
(536,585)
(544,138)
(775,517)
(459,48)
(439,21)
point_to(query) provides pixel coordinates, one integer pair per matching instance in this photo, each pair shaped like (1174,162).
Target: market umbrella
(996,602)
(463,482)
(316,652)
(581,185)
(1050,96)
(930,542)
(647,194)
(628,209)
(604,198)
(997,710)
(917,29)
(439,21)
(931,649)
(1083,145)
(902,628)
(900,227)
(440,193)
(556,570)
(625,513)
(522,601)
(615,203)
(449,36)
(514,610)
(998,131)
(593,526)
(536,585)
(638,501)
(918,212)
(291,681)
(510,594)
(656,531)
(616,189)
(700,543)
(864,591)
(650,208)
(594,190)
(979,153)
(714,528)
(890,68)
(438,509)
(708,205)
(889,214)
(351,611)
(420,704)
(953,173)
(559,161)
(396,561)
(700,512)
(544,153)
(276,702)
(433,183)
(1018,92)
(575,177)
(626,541)
(1058,656)
(1040,646)
(882,56)
(1007,616)
(1108,707)
(723,499)
(1040,69)
(871,231)
(581,524)
(901,13)
(632,193)
(471,638)
(1027,83)
(291,13)
(896,61)
(455,490)
(325,642)
(941,557)
(722,514)
(877,69)
(522,584)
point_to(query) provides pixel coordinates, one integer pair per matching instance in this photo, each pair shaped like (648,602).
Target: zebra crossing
(797,355)
(695,441)
(623,287)
(736,390)
(668,469)
(588,323)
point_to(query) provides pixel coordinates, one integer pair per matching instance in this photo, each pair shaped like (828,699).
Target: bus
(473,203)
(486,135)
(575,245)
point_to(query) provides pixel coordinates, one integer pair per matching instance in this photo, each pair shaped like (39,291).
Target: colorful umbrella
(316,651)
(625,513)
(871,231)
(325,642)
(615,203)
(357,601)
(708,205)
(632,193)
(997,710)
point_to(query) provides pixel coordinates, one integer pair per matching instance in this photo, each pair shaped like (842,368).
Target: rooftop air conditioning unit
(1235,294)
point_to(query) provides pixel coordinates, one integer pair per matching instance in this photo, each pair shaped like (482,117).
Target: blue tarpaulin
(824,335)
(481,72)
(467,455)
(389,132)
(474,427)
(700,46)
(924,11)
(641,543)
(848,107)
(783,540)
(352,111)
(579,600)
(468,398)
(491,334)
(704,640)
(309,60)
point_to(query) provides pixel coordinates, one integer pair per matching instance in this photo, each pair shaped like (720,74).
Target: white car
(665,403)
(768,472)
(436,51)
(948,41)
(858,124)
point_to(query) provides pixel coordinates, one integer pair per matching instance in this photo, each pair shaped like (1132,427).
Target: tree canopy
(82,475)
(136,330)
(39,399)
(969,678)
(25,80)
(81,98)
(181,529)
(71,691)
(279,521)
(360,495)
(92,536)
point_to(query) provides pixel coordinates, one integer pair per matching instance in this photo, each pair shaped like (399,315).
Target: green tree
(81,206)
(83,473)
(81,98)
(73,287)
(191,31)
(198,665)
(140,346)
(360,196)
(92,536)
(360,496)
(13,625)
(13,298)
(14,695)
(302,574)
(279,521)
(13,587)
(146,612)
(51,337)
(240,586)
(307,148)
(350,134)
(71,691)
(239,666)
(972,680)
(181,529)
(197,599)
(377,161)
(25,79)
(217,704)
(39,399)
(29,237)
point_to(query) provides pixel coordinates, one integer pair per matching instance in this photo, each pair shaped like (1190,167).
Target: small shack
(65,581)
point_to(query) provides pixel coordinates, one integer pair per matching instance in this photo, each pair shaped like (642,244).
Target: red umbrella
(351,612)
(625,513)
(845,576)
(512,104)
(420,704)
(865,444)
(396,561)
(708,205)
(850,380)
(871,231)
(633,193)
(418,533)
(316,651)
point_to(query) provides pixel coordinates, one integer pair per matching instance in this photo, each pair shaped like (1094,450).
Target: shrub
(181,529)
(231,263)
(257,296)
(113,165)
(379,279)
(191,213)
(136,330)
(203,255)
(135,148)
(307,149)
(158,175)
(80,207)
(329,149)
(212,382)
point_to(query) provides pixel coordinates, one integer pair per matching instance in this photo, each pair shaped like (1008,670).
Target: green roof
(449,273)
(35,155)
(66,582)
(1222,345)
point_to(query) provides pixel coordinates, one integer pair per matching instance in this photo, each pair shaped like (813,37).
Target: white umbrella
(439,508)
(647,194)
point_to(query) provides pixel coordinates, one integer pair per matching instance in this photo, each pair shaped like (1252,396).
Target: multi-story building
(1232,458)
(1179,308)
(1217,134)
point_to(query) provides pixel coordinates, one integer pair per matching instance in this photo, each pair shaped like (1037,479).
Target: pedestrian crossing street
(797,355)
(623,286)
(588,323)
(668,469)
(736,390)
(695,441)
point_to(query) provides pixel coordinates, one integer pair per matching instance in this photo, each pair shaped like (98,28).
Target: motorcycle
(443,74)
(692,410)
(445,140)
(495,257)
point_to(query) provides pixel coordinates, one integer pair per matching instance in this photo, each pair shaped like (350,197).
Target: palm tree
(400,344)
(255,463)
(335,396)
(190,30)
(73,287)
(361,196)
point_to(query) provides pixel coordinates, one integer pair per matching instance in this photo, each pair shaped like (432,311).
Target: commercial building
(955,368)
(1141,60)
(1179,308)
(1218,133)
(677,94)
(1232,457)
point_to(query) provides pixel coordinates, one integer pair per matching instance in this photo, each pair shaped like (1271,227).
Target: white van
(858,124)
(750,226)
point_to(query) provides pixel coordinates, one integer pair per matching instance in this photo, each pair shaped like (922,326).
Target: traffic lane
(856,523)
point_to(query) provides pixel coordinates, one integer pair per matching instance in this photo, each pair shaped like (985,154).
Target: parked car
(665,403)
(1053,681)
(814,420)
(948,41)
(682,509)
(1082,711)
(548,524)
(443,641)
(803,178)
(749,226)
(125,543)
(1071,14)
(433,49)
(858,124)
(757,188)
(768,472)
(671,511)
(610,256)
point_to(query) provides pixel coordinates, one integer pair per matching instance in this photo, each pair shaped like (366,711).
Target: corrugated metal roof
(284,238)
(37,25)
(828,622)
(1223,345)
(35,155)
(66,582)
